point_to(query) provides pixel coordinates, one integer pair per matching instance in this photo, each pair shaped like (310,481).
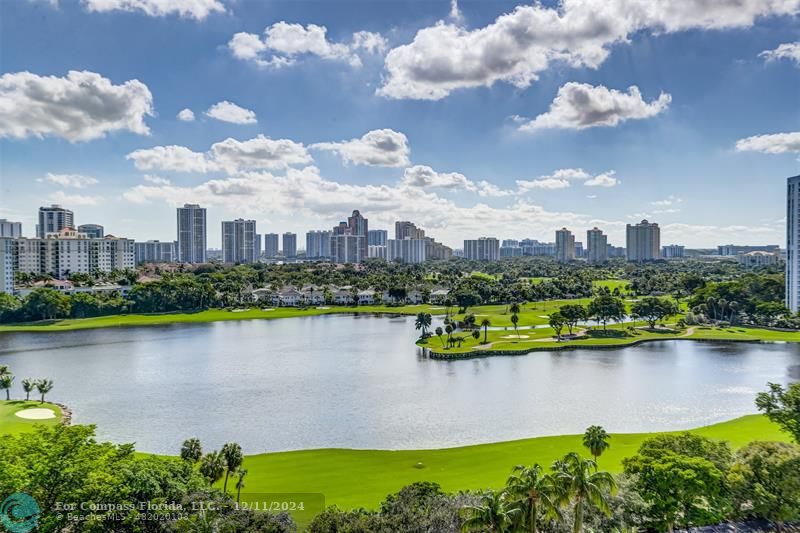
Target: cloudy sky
(470,118)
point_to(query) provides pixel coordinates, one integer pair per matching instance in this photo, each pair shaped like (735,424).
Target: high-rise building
(532,247)
(239,241)
(643,242)
(597,246)
(6,265)
(406,250)
(346,247)
(377,237)
(259,248)
(359,226)
(271,246)
(53,219)
(94,231)
(482,249)
(565,245)
(509,249)
(734,250)
(403,229)
(289,245)
(155,252)
(793,244)
(672,251)
(377,251)
(318,244)
(10,229)
(192,234)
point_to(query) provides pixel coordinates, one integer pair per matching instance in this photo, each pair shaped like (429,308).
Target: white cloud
(605,179)
(76,181)
(196,9)
(283,43)
(580,106)
(517,46)
(455,13)
(186,115)
(79,107)
(62,198)
(667,202)
(158,180)
(230,112)
(229,156)
(425,177)
(776,143)
(491,190)
(542,183)
(378,148)
(790,51)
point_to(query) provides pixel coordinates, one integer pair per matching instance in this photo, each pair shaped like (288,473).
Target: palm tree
(580,481)
(28,385)
(476,334)
(485,323)
(439,332)
(191,450)
(44,386)
(240,483)
(6,380)
(423,322)
(514,320)
(514,308)
(232,455)
(491,514)
(534,496)
(449,330)
(711,302)
(4,370)
(212,466)
(596,440)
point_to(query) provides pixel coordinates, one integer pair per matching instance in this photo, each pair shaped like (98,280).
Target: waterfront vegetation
(11,424)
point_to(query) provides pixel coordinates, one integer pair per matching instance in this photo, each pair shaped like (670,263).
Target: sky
(471,119)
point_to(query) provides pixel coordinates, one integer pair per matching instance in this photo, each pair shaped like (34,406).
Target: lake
(359,382)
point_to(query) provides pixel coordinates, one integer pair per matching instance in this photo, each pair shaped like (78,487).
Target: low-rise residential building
(757,259)
(439,296)
(672,251)
(155,252)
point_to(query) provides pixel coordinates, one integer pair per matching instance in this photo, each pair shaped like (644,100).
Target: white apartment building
(192,234)
(377,251)
(155,252)
(6,265)
(346,248)
(406,250)
(482,249)
(53,219)
(239,241)
(597,246)
(271,246)
(793,243)
(10,229)
(565,245)
(289,248)
(318,244)
(643,241)
(672,251)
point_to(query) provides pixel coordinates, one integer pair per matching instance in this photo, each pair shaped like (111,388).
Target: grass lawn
(362,478)
(10,423)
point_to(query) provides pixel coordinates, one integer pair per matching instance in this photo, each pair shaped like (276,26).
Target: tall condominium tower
(53,219)
(289,245)
(565,245)
(377,237)
(482,249)
(359,226)
(597,246)
(10,229)
(94,231)
(318,244)
(239,241)
(793,244)
(271,245)
(643,242)
(192,234)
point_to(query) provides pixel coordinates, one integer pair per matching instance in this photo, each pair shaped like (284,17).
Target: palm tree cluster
(43,386)
(216,464)
(535,500)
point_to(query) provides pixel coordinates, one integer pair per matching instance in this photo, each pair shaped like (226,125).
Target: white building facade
(192,234)
(793,243)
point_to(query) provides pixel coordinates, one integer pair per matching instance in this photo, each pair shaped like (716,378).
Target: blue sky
(481,118)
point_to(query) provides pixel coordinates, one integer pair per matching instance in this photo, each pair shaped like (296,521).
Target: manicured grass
(14,425)
(362,478)
(612,284)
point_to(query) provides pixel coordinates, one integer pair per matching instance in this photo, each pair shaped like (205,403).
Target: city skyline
(289,116)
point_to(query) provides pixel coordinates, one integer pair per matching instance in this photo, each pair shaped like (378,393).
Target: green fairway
(362,478)
(10,423)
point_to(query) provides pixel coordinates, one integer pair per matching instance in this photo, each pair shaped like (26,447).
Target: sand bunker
(36,414)
(515,337)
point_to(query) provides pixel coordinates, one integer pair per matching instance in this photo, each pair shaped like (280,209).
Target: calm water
(303,383)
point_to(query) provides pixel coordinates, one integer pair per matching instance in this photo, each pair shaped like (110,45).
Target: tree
(573,313)
(439,333)
(491,514)
(514,308)
(476,334)
(765,482)
(515,320)
(44,386)
(240,474)
(557,322)
(596,440)
(534,496)
(606,307)
(191,450)
(28,385)
(423,322)
(212,466)
(584,485)
(6,381)
(485,323)
(782,406)
(46,303)
(9,307)
(654,309)
(466,298)
(232,454)
(449,330)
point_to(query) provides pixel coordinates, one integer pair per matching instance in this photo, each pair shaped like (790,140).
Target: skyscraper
(10,229)
(643,242)
(318,244)
(597,246)
(793,244)
(377,237)
(7,265)
(565,245)
(94,231)
(289,245)
(53,219)
(271,245)
(403,229)
(346,247)
(239,241)
(192,234)
(359,226)
(482,249)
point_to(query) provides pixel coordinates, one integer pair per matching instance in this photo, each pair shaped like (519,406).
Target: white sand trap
(435,308)
(544,316)
(268,309)
(36,414)
(323,307)
(515,337)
